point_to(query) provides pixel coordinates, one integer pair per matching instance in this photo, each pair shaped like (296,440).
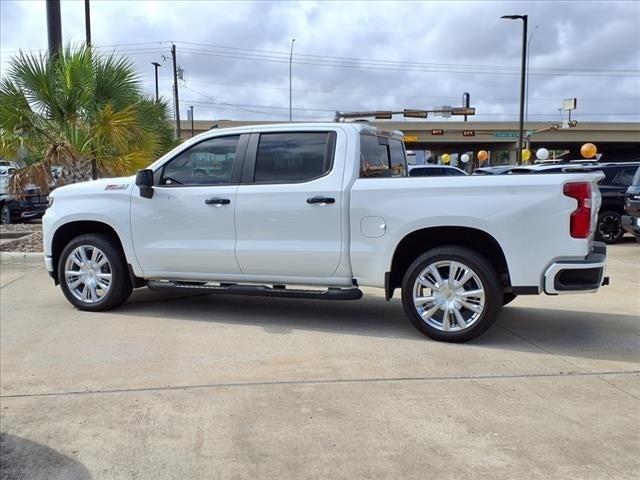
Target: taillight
(580,223)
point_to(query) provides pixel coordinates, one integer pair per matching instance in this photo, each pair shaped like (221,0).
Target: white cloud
(604,36)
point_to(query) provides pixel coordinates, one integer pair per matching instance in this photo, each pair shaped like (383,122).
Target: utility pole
(156,65)
(523,76)
(192,131)
(290,69)
(54,27)
(176,100)
(87,22)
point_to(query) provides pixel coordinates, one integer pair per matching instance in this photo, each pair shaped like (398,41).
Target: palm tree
(74,109)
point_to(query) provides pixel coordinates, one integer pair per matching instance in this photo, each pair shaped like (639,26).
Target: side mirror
(144,180)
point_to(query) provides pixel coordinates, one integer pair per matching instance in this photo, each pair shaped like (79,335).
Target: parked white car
(316,211)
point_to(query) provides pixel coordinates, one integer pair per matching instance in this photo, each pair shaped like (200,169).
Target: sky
(361,55)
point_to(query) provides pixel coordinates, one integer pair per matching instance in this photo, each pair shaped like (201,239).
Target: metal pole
(466,101)
(290,69)
(523,76)
(87,22)
(192,131)
(155,67)
(87,29)
(176,100)
(526,102)
(54,27)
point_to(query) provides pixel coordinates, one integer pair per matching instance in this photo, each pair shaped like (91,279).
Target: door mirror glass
(144,180)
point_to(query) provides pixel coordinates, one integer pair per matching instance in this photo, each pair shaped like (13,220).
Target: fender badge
(121,186)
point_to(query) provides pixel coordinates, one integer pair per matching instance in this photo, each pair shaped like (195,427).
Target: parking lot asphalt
(184,386)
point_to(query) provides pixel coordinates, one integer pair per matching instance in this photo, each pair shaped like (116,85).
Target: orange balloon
(483,155)
(588,150)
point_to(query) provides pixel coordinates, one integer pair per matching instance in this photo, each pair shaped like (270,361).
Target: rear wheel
(451,294)
(93,274)
(609,229)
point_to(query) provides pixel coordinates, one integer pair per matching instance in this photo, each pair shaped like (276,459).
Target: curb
(8,258)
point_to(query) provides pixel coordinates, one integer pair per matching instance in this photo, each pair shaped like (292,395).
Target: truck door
(188,228)
(289,205)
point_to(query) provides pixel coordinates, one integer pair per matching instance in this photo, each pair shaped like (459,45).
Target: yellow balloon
(526,155)
(483,155)
(588,150)
(446,158)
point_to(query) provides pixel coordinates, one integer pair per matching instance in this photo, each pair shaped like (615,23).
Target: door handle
(217,201)
(321,200)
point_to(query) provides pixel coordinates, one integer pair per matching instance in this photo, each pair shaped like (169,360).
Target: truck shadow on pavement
(22,458)
(590,335)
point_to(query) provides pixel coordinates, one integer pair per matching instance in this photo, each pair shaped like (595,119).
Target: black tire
(508,298)
(485,272)
(609,228)
(120,287)
(5,215)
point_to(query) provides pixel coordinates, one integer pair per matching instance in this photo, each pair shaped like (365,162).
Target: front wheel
(451,294)
(93,274)
(5,215)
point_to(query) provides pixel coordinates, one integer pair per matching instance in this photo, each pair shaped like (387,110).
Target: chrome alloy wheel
(87,272)
(449,296)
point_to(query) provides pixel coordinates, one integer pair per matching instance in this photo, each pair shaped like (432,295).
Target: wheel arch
(68,231)
(419,241)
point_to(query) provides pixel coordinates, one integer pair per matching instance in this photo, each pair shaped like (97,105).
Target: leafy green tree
(75,108)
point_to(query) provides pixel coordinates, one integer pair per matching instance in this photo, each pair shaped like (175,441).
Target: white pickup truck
(316,211)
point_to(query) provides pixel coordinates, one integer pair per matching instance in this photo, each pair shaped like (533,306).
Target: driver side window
(206,163)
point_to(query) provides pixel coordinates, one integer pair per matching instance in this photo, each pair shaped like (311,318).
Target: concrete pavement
(231,387)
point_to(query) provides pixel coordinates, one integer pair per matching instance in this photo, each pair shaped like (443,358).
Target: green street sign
(511,134)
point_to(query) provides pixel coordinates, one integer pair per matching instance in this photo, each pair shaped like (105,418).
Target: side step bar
(256,290)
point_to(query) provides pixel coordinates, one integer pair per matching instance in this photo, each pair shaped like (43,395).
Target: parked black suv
(29,206)
(631,219)
(618,178)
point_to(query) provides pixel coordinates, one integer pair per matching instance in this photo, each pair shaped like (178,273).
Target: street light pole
(87,22)
(156,65)
(290,70)
(54,27)
(523,74)
(526,102)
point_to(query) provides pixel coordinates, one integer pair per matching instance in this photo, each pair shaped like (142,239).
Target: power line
(381,94)
(365,66)
(281,54)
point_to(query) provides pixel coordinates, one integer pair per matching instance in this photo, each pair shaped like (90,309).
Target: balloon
(464,158)
(446,158)
(542,154)
(483,155)
(588,150)
(526,155)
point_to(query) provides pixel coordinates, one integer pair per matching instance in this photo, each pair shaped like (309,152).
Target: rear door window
(382,157)
(292,157)
(624,177)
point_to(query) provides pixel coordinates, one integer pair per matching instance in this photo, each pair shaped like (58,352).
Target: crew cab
(319,210)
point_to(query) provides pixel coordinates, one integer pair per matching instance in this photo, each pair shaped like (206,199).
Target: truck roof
(364,127)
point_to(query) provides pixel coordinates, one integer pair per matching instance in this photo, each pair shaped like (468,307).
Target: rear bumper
(631,224)
(577,276)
